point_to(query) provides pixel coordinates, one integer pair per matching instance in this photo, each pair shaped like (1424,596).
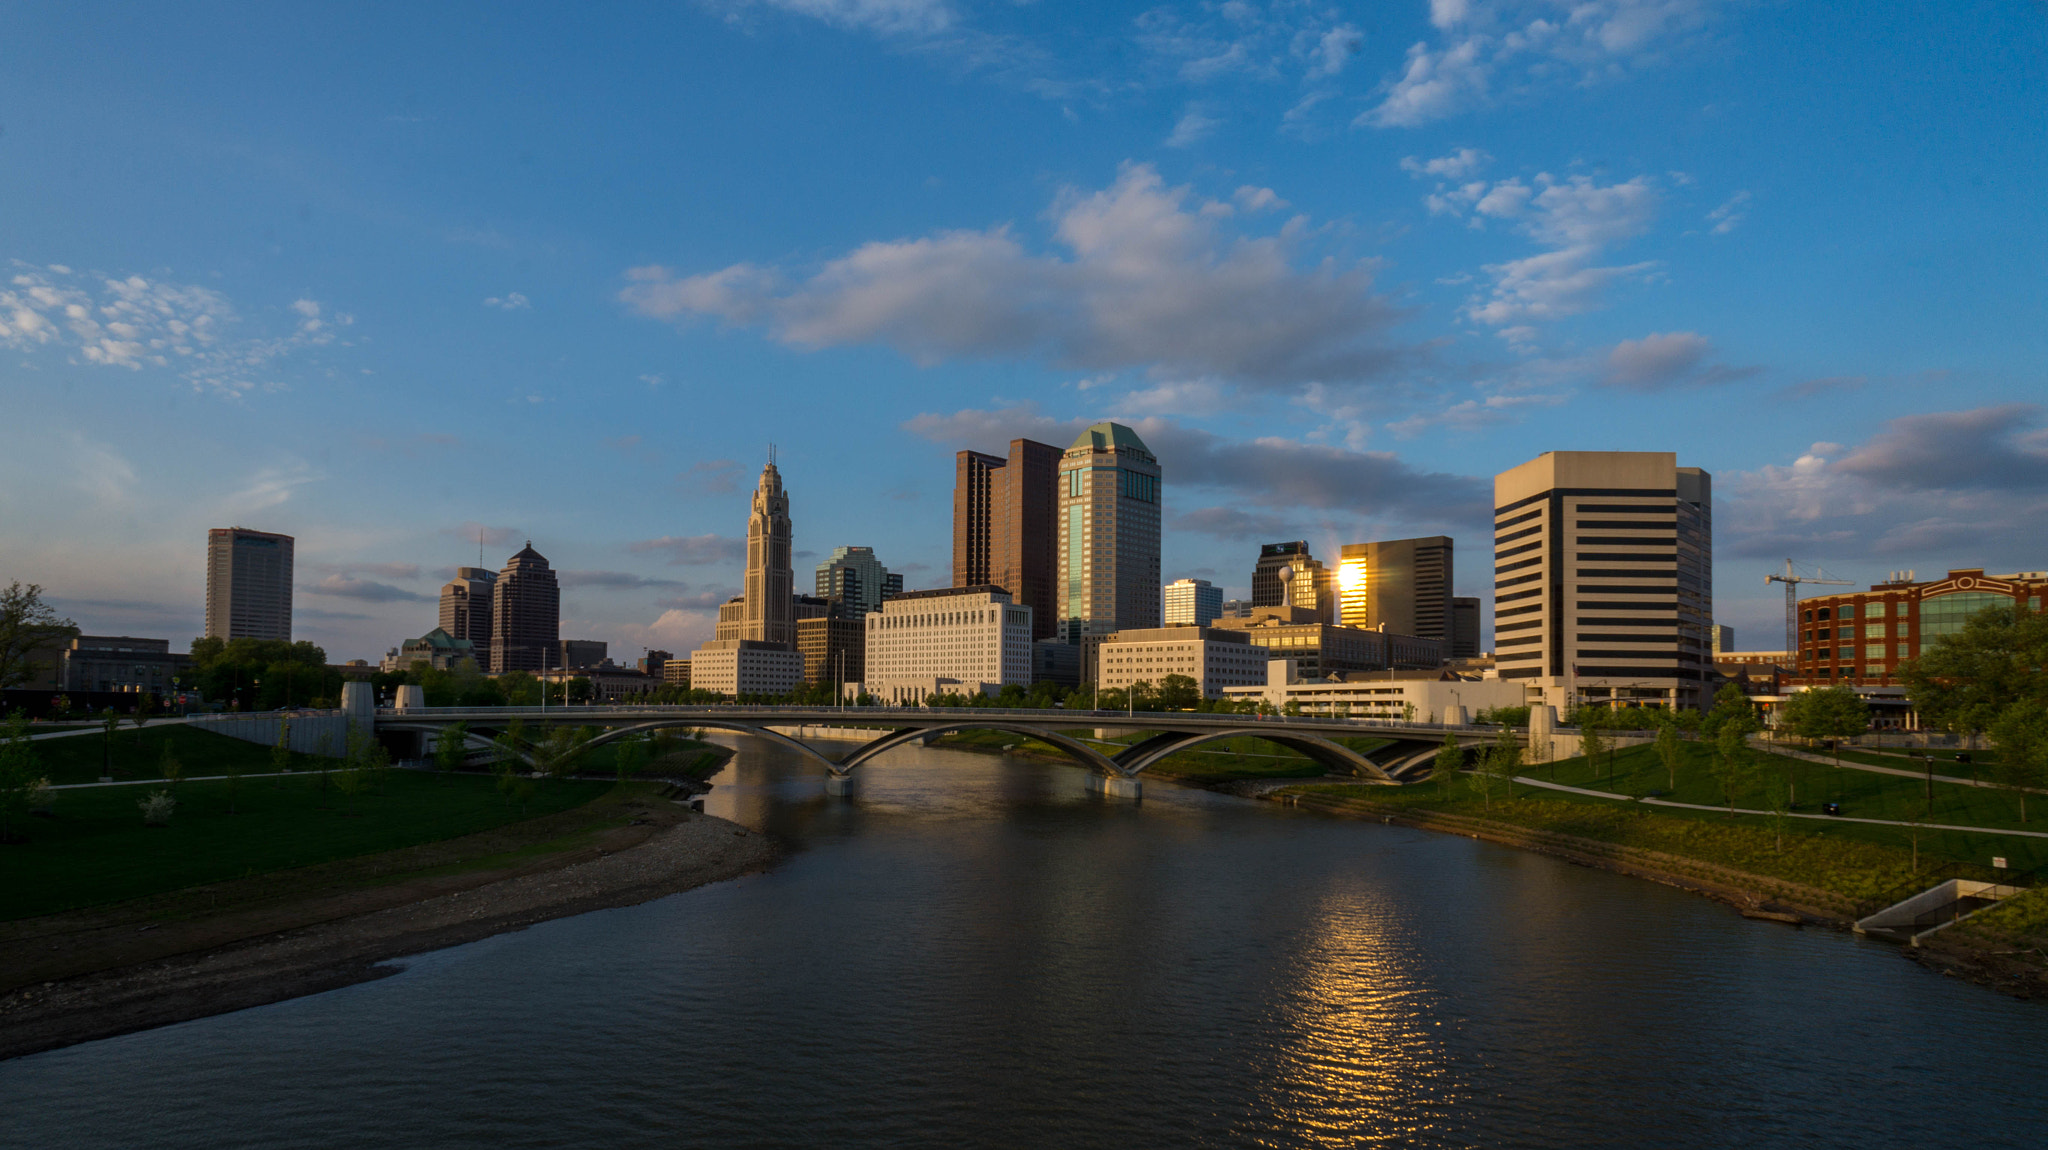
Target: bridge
(1110,773)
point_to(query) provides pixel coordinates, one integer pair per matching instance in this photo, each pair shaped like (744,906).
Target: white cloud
(1577,218)
(1149,278)
(885,17)
(1192,128)
(1665,359)
(694,550)
(1253,199)
(1730,215)
(1334,49)
(366,590)
(510,301)
(1455,166)
(1954,487)
(1490,47)
(136,323)
(1472,414)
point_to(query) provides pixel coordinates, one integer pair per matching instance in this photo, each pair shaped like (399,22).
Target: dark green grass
(1862,794)
(138,754)
(1856,861)
(94,848)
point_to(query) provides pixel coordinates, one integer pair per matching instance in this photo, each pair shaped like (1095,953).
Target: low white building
(957,639)
(1416,696)
(1214,658)
(735,667)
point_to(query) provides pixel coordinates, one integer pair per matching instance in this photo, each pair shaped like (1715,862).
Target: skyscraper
(1288,576)
(1404,584)
(1192,603)
(857,579)
(526,614)
(248,584)
(1464,627)
(466,606)
(1004,511)
(1603,578)
(769,613)
(1109,494)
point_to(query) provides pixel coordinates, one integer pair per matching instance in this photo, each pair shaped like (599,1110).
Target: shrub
(157,808)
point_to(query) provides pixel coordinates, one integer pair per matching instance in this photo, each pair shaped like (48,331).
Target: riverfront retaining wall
(311,732)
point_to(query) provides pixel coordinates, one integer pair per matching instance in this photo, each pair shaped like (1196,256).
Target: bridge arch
(1328,752)
(700,721)
(1088,756)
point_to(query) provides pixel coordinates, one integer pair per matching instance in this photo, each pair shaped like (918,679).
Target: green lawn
(1851,859)
(1862,794)
(93,848)
(138,754)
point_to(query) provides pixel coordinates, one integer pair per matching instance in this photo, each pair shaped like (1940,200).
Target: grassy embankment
(93,848)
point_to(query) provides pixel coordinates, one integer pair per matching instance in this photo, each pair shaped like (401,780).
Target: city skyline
(329,308)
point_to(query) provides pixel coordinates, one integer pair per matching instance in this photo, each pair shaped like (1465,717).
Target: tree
(629,756)
(1669,747)
(2022,733)
(1449,761)
(451,747)
(22,786)
(1964,682)
(1834,713)
(1918,810)
(1503,760)
(168,766)
(1733,760)
(1178,693)
(1592,734)
(281,754)
(30,632)
(109,722)
(1778,800)
(1730,706)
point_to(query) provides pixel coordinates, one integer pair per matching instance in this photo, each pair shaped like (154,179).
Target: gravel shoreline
(698,850)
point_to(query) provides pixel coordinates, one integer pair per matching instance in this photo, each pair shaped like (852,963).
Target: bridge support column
(840,785)
(1117,786)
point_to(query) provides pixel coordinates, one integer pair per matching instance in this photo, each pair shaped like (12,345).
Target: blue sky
(385,279)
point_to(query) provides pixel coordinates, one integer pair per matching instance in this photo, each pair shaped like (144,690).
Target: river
(977,951)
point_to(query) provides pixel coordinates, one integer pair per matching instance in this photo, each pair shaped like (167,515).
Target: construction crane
(1792,581)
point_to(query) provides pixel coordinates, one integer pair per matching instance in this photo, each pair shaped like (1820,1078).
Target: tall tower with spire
(770,585)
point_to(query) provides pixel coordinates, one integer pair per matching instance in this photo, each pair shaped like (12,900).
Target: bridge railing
(872,714)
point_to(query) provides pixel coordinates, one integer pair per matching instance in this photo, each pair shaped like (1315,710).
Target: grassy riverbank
(94,848)
(139,754)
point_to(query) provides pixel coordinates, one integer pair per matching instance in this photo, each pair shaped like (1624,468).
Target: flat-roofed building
(676,672)
(1861,638)
(856,578)
(1603,578)
(1004,512)
(578,653)
(745,667)
(1191,603)
(466,606)
(1464,627)
(1215,658)
(1109,497)
(1287,575)
(248,584)
(1320,649)
(1055,661)
(1403,585)
(119,663)
(834,646)
(1409,696)
(956,639)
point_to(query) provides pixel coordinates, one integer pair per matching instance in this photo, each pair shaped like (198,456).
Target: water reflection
(978,950)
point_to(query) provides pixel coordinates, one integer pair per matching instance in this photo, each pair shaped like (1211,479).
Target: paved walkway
(1824,760)
(96,729)
(1539,783)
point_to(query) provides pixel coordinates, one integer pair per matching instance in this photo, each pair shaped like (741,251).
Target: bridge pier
(1116,786)
(839,785)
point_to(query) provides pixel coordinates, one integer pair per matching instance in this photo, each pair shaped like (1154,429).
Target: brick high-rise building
(466,606)
(1004,511)
(248,584)
(526,615)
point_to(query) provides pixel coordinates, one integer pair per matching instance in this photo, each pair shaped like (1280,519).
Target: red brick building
(1861,638)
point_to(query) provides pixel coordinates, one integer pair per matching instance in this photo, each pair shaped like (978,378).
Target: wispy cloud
(693,550)
(510,301)
(367,590)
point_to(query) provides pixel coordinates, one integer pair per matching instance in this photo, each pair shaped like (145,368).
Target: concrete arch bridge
(1114,773)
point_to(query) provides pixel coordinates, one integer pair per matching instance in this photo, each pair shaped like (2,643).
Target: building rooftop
(944,592)
(1103,436)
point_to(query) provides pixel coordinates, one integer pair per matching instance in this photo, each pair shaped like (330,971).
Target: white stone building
(1213,658)
(954,640)
(735,667)
(1415,696)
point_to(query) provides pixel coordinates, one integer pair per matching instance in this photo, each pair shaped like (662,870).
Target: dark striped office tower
(1603,578)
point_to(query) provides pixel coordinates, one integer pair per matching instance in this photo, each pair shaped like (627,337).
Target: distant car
(1831,808)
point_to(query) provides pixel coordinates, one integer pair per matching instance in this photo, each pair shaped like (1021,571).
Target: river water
(977,951)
